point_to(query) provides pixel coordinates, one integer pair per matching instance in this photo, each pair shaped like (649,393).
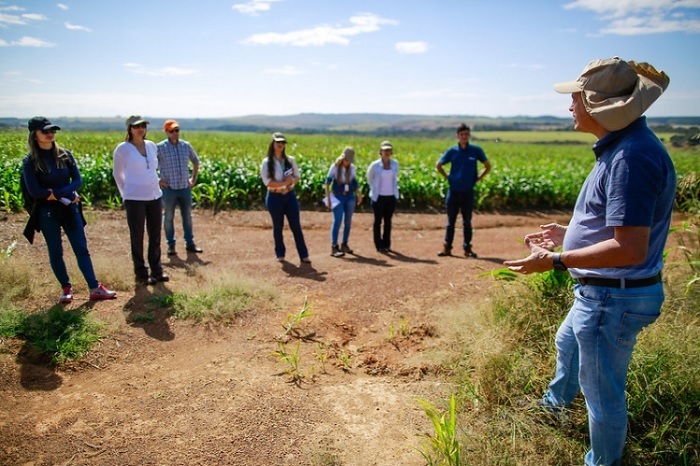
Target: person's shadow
(359,259)
(403,258)
(147,309)
(191,260)
(303,271)
(37,372)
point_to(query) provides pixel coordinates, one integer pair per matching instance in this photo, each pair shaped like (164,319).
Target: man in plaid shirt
(174,156)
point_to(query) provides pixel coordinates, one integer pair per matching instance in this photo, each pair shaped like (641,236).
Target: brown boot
(446,251)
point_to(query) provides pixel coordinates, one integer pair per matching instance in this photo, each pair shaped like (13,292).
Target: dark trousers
(456,203)
(383,208)
(281,206)
(149,213)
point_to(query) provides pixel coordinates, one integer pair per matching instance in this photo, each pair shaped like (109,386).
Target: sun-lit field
(531,169)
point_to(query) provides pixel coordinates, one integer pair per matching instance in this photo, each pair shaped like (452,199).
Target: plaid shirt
(173,163)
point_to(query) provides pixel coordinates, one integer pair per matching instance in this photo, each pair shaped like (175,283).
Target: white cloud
(165,71)
(411,47)
(34,17)
(637,17)
(253,7)
(27,41)
(285,70)
(322,35)
(11,8)
(10,19)
(635,25)
(75,27)
(62,6)
(3,43)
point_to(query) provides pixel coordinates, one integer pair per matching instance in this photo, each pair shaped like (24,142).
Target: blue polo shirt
(463,169)
(633,183)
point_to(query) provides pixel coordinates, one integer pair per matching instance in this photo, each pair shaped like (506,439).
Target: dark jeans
(149,213)
(70,220)
(456,203)
(281,206)
(383,208)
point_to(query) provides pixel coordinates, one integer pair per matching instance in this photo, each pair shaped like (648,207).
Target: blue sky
(214,58)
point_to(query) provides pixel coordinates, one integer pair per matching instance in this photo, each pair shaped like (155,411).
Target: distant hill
(347,123)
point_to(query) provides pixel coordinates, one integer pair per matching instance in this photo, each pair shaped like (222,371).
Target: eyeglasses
(176,130)
(49,131)
(140,125)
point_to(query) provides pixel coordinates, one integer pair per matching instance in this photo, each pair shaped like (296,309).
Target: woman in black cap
(280,173)
(135,164)
(52,179)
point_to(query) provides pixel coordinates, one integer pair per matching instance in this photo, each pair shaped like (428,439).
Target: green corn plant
(292,361)
(293,322)
(442,447)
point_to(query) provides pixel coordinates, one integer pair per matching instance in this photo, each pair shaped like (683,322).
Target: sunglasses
(49,131)
(176,130)
(140,125)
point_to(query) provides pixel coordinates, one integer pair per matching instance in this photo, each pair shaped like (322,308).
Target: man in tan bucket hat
(612,247)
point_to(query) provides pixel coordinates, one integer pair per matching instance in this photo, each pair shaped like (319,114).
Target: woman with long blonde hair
(342,195)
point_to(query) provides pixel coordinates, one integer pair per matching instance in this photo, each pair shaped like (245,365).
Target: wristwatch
(557,264)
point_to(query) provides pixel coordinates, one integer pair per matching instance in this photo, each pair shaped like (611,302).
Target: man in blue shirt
(460,195)
(174,156)
(613,247)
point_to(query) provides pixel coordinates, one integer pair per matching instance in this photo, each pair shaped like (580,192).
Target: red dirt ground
(170,392)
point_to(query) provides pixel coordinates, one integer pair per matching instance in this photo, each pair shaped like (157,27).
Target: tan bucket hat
(617,92)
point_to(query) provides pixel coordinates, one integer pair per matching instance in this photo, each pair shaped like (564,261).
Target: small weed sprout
(7,252)
(292,360)
(322,355)
(405,328)
(293,322)
(442,448)
(345,359)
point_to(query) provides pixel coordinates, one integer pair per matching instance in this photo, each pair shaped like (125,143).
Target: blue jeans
(594,349)
(456,203)
(345,208)
(181,198)
(281,206)
(51,221)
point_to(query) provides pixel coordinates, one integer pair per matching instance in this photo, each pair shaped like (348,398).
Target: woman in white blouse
(383,175)
(135,165)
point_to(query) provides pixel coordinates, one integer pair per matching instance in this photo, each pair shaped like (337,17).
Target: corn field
(532,172)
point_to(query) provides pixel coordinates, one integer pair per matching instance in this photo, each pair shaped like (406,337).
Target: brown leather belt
(620,282)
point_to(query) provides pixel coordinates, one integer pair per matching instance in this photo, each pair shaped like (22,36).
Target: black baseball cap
(39,123)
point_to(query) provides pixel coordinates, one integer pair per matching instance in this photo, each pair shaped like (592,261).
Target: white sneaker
(102,293)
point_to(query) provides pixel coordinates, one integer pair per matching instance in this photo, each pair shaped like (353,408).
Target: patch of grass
(59,334)
(220,303)
(510,353)
(11,323)
(16,278)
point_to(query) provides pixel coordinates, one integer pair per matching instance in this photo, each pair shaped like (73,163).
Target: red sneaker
(67,295)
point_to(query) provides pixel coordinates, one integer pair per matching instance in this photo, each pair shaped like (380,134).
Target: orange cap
(170,125)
